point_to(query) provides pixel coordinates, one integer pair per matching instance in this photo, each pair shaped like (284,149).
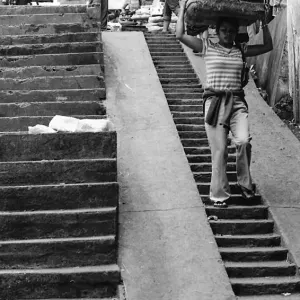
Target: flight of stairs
(254,256)
(59,192)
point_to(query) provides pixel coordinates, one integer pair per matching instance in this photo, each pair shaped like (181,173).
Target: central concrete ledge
(167,249)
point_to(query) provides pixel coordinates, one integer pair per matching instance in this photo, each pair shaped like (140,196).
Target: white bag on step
(62,123)
(95,125)
(38,129)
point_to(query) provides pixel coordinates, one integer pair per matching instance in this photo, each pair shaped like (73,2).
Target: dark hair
(232,21)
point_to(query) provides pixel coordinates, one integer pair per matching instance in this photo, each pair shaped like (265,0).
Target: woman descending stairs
(255,258)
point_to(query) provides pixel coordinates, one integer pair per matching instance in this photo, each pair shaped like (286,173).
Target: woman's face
(227,33)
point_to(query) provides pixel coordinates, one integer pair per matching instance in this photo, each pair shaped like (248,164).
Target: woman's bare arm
(190,41)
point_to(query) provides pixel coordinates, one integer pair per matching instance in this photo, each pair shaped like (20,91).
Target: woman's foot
(220,204)
(248,194)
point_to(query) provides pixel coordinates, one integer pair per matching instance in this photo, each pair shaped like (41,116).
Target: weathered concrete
(54,82)
(87,145)
(11,50)
(53,95)
(35,19)
(47,71)
(53,59)
(48,38)
(165,239)
(91,282)
(49,28)
(58,171)
(277,150)
(57,224)
(51,108)
(27,10)
(60,196)
(58,253)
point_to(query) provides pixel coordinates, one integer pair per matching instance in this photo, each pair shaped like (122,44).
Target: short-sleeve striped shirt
(223,66)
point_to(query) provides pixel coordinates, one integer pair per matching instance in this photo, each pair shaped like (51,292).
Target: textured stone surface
(20,96)
(45,71)
(57,253)
(51,109)
(57,224)
(61,196)
(11,50)
(55,82)
(58,171)
(89,58)
(48,38)
(87,282)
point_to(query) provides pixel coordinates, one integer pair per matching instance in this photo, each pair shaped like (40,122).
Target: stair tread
(56,185)
(257,264)
(251,249)
(258,236)
(265,280)
(57,160)
(59,240)
(60,211)
(89,269)
(232,207)
(271,297)
(241,221)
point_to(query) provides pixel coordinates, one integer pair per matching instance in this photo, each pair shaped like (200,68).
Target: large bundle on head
(208,11)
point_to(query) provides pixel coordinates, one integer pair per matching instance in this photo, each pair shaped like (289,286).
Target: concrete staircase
(256,260)
(59,192)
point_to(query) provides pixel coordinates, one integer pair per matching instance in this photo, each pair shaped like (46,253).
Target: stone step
(58,171)
(172,85)
(204,187)
(26,49)
(183,90)
(51,71)
(179,81)
(162,50)
(36,19)
(74,37)
(235,199)
(206,176)
(244,254)
(193,135)
(85,145)
(82,282)
(206,167)
(49,28)
(176,75)
(194,142)
(19,125)
(204,150)
(263,240)
(190,120)
(61,59)
(184,115)
(265,285)
(199,158)
(238,212)
(59,196)
(166,47)
(53,82)
(260,269)
(185,108)
(196,128)
(239,227)
(58,223)
(74,95)
(282,296)
(28,9)
(170,59)
(175,67)
(168,55)
(184,102)
(52,108)
(184,96)
(154,41)
(58,253)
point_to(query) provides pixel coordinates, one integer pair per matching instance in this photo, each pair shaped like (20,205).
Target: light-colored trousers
(217,137)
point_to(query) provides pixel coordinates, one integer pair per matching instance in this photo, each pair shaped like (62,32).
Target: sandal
(220,204)
(247,194)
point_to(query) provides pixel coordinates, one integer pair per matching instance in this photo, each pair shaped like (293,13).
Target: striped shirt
(223,66)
